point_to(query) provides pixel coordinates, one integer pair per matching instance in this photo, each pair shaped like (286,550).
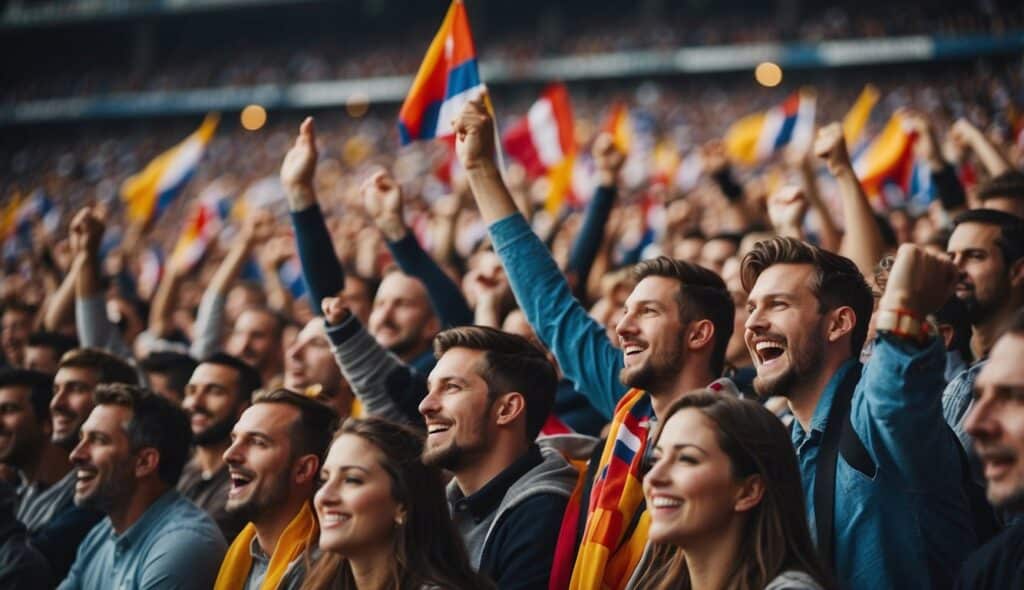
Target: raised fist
(607,158)
(334,310)
(382,199)
(300,162)
(830,145)
(258,227)
(920,281)
(787,207)
(86,232)
(474,134)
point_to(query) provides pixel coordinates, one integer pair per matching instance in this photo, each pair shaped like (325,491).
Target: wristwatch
(904,324)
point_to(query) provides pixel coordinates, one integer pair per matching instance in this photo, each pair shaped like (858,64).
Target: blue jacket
(910,526)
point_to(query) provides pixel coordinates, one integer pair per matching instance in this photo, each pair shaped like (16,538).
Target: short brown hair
(156,422)
(1007,185)
(111,368)
(837,282)
(702,295)
(311,433)
(511,363)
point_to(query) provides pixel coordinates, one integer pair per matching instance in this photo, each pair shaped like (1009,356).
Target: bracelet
(903,323)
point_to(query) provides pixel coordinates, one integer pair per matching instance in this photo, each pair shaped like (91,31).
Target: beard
(657,372)
(111,490)
(980,310)
(215,433)
(455,455)
(263,499)
(806,359)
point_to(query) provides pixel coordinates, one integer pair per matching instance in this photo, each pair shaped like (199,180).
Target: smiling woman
(383,517)
(726,501)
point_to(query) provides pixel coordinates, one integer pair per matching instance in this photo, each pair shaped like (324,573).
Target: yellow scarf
(296,537)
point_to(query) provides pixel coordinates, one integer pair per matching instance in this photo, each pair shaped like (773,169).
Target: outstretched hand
(382,198)
(299,164)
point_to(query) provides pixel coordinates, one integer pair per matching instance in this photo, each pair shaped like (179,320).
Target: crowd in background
(465,386)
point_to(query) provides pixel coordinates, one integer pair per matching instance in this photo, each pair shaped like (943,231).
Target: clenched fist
(919,282)
(786,208)
(382,198)
(86,232)
(608,159)
(335,310)
(474,134)
(830,145)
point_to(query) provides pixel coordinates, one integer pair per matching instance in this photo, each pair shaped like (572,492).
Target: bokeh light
(254,117)
(768,74)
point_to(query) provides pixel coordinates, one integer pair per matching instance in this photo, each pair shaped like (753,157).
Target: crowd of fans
(222,57)
(761,380)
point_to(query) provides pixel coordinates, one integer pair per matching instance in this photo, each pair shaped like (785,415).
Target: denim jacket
(910,526)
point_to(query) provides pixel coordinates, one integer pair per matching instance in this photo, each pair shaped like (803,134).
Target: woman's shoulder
(793,580)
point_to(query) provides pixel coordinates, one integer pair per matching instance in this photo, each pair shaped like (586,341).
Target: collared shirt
(291,580)
(39,505)
(173,545)
(957,399)
(510,525)
(909,526)
(210,492)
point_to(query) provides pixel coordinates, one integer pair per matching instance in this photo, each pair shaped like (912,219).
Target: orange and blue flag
(147,194)
(755,137)
(887,160)
(447,79)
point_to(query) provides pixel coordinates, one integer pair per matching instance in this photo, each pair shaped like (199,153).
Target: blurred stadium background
(93,89)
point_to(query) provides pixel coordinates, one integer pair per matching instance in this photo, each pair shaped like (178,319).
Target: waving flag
(213,208)
(887,160)
(544,137)
(148,194)
(857,117)
(620,125)
(755,137)
(447,79)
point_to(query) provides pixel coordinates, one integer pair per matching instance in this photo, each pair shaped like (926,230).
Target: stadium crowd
(295,51)
(757,378)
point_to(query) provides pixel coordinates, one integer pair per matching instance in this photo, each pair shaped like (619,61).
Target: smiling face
(71,403)
(103,460)
(355,506)
(984,285)
(651,335)
(309,361)
(256,339)
(212,403)
(260,461)
(691,491)
(996,422)
(402,320)
(456,410)
(785,332)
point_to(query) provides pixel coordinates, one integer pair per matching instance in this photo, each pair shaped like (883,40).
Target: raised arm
(967,135)
(271,257)
(948,189)
(160,322)
(786,209)
(386,386)
(210,319)
(588,241)
(862,242)
(803,164)
(382,198)
(897,410)
(578,342)
(94,327)
(320,266)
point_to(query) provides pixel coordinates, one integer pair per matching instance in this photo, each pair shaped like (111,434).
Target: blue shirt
(173,546)
(910,526)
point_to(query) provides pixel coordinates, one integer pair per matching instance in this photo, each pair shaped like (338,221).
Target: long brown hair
(427,548)
(775,536)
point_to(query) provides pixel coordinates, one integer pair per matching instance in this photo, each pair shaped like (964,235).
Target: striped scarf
(611,548)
